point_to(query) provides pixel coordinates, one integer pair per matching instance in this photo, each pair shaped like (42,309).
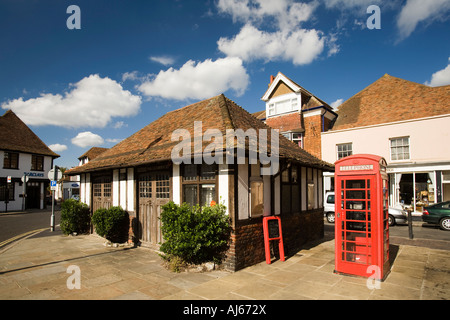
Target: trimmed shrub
(195,234)
(112,224)
(75,217)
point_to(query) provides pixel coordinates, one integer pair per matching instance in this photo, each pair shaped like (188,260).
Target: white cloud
(441,77)
(288,41)
(87,139)
(198,80)
(164,60)
(351,4)
(58,147)
(133,75)
(91,102)
(335,105)
(119,124)
(114,140)
(287,13)
(416,11)
(300,46)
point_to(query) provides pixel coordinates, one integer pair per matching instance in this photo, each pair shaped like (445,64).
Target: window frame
(199,182)
(290,136)
(3,187)
(283,104)
(397,147)
(9,160)
(35,162)
(348,152)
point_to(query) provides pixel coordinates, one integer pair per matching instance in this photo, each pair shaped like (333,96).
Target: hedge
(195,234)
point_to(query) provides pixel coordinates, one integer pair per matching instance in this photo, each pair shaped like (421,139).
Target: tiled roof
(93,153)
(391,99)
(153,142)
(16,136)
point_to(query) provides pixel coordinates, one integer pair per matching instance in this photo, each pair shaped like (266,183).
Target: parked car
(328,206)
(396,215)
(438,213)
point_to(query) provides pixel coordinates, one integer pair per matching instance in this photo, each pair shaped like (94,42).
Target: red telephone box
(361,211)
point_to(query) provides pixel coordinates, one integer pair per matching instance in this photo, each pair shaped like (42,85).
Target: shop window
(37,163)
(400,148)
(11,160)
(344,150)
(199,184)
(6,189)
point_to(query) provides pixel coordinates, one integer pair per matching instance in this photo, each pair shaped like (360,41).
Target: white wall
(176,184)
(223,185)
(24,168)
(428,140)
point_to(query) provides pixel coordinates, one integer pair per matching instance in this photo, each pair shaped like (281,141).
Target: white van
(395,215)
(328,207)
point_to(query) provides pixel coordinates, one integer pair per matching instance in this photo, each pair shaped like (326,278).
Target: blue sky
(133,61)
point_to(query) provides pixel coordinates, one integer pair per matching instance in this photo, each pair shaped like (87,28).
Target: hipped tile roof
(153,142)
(391,99)
(15,135)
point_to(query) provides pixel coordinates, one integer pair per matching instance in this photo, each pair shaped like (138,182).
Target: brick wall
(312,142)
(247,243)
(287,122)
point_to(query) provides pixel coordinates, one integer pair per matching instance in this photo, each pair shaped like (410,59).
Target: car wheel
(445,223)
(391,221)
(330,217)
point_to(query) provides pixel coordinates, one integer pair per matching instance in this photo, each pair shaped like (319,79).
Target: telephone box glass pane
(356,223)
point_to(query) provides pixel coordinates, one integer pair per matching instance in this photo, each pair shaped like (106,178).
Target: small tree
(195,234)
(112,223)
(75,217)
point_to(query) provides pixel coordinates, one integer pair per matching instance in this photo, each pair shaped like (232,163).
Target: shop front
(415,187)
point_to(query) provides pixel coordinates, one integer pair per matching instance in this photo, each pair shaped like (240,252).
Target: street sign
(53,185)
(25,179)
(51,174)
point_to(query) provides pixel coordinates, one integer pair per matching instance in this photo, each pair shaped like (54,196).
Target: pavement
(49,266)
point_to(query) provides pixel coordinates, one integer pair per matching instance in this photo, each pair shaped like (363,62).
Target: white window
(297,138)
(400,148)
(344,150)
(282,106)
(271,109)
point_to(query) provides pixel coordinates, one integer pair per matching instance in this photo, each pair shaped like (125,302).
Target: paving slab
(36,268)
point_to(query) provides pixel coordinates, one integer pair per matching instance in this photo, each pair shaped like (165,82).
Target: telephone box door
(354,226)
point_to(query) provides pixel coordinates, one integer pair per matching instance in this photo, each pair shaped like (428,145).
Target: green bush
(112,223)
(75,217)
(195,234)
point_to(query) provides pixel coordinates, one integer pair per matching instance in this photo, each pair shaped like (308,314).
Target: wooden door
(154,191)
(101,193)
